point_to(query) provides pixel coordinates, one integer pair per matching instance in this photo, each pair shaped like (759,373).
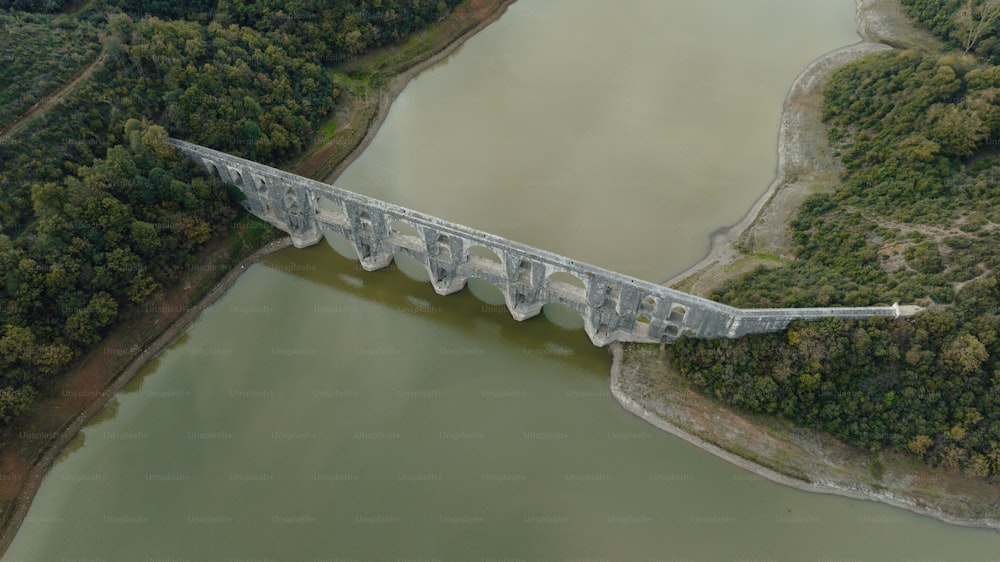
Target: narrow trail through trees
(51,99)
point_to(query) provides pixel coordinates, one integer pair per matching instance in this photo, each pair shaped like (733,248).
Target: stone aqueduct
(614,307)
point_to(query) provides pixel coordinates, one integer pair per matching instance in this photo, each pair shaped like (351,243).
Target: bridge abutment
(614,307)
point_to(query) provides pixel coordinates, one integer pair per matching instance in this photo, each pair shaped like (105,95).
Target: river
(320,412)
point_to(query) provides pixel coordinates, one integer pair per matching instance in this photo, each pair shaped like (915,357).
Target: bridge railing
(614,306)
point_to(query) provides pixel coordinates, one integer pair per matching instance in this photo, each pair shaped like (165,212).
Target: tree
(965,354)
(919,445)
(84,325)
(973,18)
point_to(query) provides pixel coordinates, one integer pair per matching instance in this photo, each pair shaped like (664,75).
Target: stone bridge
(614,307)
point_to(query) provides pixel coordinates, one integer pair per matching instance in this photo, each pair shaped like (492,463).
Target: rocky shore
(645,385)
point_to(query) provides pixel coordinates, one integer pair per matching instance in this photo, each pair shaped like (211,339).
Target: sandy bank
(800,458)
(803,459)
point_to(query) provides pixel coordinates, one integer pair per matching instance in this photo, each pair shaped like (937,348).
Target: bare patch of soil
(773,448)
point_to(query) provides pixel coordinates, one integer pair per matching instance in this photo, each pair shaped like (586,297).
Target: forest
(37,54)
(97,212)
(915,220)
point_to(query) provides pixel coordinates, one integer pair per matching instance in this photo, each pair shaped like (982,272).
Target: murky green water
(319,412)
(616,133)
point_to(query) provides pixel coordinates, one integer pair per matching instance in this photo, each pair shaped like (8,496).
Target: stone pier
(614,307)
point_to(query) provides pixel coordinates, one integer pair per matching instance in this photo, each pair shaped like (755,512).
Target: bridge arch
(482,252)
(443,250)
(486,258)
(524,271)
(671,332)
(236,177)
(565,278)
(365,223)
(678,313)
(401,227)
(647,309)
(331,210)
(212,169)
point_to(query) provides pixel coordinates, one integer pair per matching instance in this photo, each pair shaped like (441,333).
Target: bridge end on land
(614,307)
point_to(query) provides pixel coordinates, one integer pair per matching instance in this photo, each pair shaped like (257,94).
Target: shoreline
(619,384)
(39,468)
(880,25)
(399,82)
(791,157)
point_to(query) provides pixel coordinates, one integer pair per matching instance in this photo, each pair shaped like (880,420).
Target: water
(319,412)
(615,133)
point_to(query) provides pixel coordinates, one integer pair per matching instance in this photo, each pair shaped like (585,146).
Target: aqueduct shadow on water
(614,307)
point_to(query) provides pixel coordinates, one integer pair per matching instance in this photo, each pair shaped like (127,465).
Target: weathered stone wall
(614,307)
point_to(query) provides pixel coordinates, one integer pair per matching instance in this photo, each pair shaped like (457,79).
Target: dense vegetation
(915,220)
(42,6)
(971,25)
(916,214)
(928,387)
(37,55)
(96,211)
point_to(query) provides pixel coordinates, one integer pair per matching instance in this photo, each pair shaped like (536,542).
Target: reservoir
(320,412)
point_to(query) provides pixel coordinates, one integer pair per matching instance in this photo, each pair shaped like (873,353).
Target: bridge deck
(614,307)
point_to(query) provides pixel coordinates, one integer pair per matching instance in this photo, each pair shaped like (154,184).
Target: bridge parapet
(614,307)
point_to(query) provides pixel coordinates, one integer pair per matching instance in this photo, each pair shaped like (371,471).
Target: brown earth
(771,447)
(32,442)
(776,449)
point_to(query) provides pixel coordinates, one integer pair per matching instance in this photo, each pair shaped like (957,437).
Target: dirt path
(55,97)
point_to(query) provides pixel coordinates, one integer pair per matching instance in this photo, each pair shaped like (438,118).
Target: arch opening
(566,279)
(405,235)
(444,247)
(677,314)
(403,228)
(366,223)
(331,211)
(237,177)
(523,274)
(485,253)
(647,307)
(260,182)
